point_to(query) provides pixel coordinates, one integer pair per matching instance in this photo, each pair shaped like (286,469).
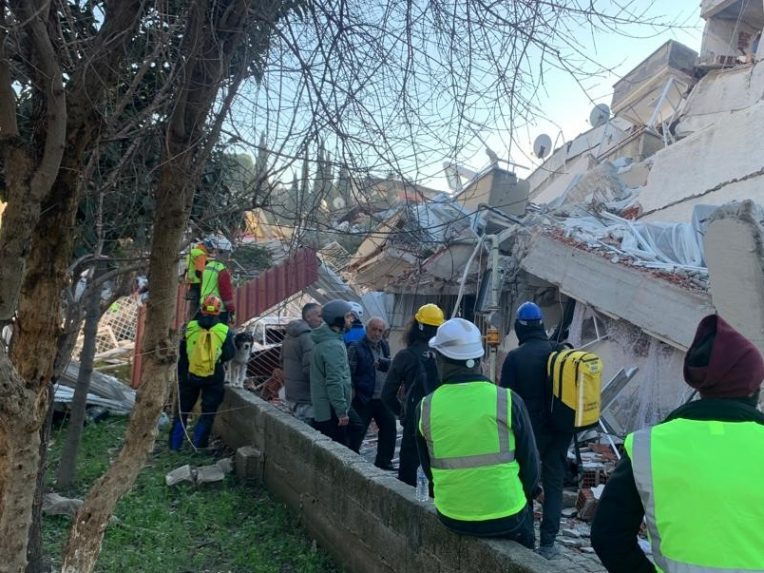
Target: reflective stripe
(504,455)
(643,476)
(468,462)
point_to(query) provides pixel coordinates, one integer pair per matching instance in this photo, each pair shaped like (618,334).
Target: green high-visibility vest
(194,331)
(700,485)
(468,429)
(210,281)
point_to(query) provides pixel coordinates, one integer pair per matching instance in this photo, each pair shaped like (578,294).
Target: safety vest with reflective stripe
(210,282)
(468,429)
(700,482)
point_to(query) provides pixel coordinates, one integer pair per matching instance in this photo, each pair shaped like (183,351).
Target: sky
(566,106)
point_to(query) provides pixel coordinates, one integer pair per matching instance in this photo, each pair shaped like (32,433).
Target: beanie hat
(721,362)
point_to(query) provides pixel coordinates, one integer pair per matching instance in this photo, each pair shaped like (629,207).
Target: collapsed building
(626,235)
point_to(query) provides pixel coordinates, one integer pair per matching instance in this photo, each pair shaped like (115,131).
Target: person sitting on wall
(476,443)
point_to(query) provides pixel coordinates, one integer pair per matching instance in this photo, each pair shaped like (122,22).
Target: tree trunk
(36,561)
(68,465)
(210,39)
(41,170)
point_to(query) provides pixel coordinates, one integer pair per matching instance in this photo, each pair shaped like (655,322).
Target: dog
(236,369)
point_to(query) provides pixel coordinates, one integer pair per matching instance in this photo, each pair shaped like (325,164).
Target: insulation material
(655,245)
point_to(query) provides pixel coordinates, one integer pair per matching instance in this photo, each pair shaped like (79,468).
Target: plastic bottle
(422,486)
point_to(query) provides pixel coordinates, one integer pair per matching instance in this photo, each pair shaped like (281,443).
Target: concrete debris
(570,511)
(589,550)
(568,542)
(597,491)
(54,504)
(181,474)
(225,465)
(204,474)
(568,532)
(209,474)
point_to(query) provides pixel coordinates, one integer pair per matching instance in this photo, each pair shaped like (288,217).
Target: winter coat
(362,371)
(296,354)
(228,351)
(330,387)
(357,332)
(524,372)
(414,369)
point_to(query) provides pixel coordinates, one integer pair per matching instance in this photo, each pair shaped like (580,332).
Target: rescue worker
(412,374)
(695,477)
(476,443)
(524,372)
(191,385)
(195,263)
(331,391)
(216,280)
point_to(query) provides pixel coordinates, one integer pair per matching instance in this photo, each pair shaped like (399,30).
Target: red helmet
(211,305)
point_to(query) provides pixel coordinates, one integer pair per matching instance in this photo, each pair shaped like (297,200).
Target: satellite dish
(600,114)
(338,203)
(542,146)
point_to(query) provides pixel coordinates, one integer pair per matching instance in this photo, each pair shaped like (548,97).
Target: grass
(223,527)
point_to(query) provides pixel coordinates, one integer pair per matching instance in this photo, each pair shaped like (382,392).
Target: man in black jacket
(706,458)
(413,369)
(369,362)
(524,372)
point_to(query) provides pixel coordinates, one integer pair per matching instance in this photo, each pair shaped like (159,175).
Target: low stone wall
(367,519)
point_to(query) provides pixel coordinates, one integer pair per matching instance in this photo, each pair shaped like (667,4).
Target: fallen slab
(661,309)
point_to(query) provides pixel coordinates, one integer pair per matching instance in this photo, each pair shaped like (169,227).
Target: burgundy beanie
(721,362)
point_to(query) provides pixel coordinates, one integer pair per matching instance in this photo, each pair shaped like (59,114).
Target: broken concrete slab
(178,475)
(734,246)
(225,465)
(209,474)
(54,504)
(661,309)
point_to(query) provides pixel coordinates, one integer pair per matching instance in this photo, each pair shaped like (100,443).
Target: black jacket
(414,369)
(362,371)
(524,372)
(620,512)
(526,456)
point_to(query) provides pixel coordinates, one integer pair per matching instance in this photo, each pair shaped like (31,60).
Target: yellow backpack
(576,383)
(203,356)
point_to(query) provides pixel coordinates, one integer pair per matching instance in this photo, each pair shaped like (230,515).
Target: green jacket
(330,387)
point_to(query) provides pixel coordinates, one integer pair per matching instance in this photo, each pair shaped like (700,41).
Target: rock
(570,533)
(569,512)
(568,542)
(209,474)
(597,491)
(587,549)
(54,504)
(183,473)
(225,465)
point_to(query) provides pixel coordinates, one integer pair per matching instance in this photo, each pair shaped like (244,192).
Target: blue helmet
(529,311)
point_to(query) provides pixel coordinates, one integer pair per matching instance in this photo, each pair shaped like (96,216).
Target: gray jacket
(296,353)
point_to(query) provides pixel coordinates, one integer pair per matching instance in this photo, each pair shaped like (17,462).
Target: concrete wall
(367,519)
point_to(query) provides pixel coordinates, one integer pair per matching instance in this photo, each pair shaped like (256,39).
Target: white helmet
(219,243)
(458,339)
(356,309)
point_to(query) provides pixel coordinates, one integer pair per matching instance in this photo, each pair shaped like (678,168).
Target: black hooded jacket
(524,372)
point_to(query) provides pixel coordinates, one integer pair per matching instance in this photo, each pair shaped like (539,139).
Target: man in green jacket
(331,391)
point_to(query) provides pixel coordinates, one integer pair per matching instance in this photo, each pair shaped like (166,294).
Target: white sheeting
(655,245)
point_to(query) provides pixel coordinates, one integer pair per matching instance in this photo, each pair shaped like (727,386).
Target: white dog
(236,369)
